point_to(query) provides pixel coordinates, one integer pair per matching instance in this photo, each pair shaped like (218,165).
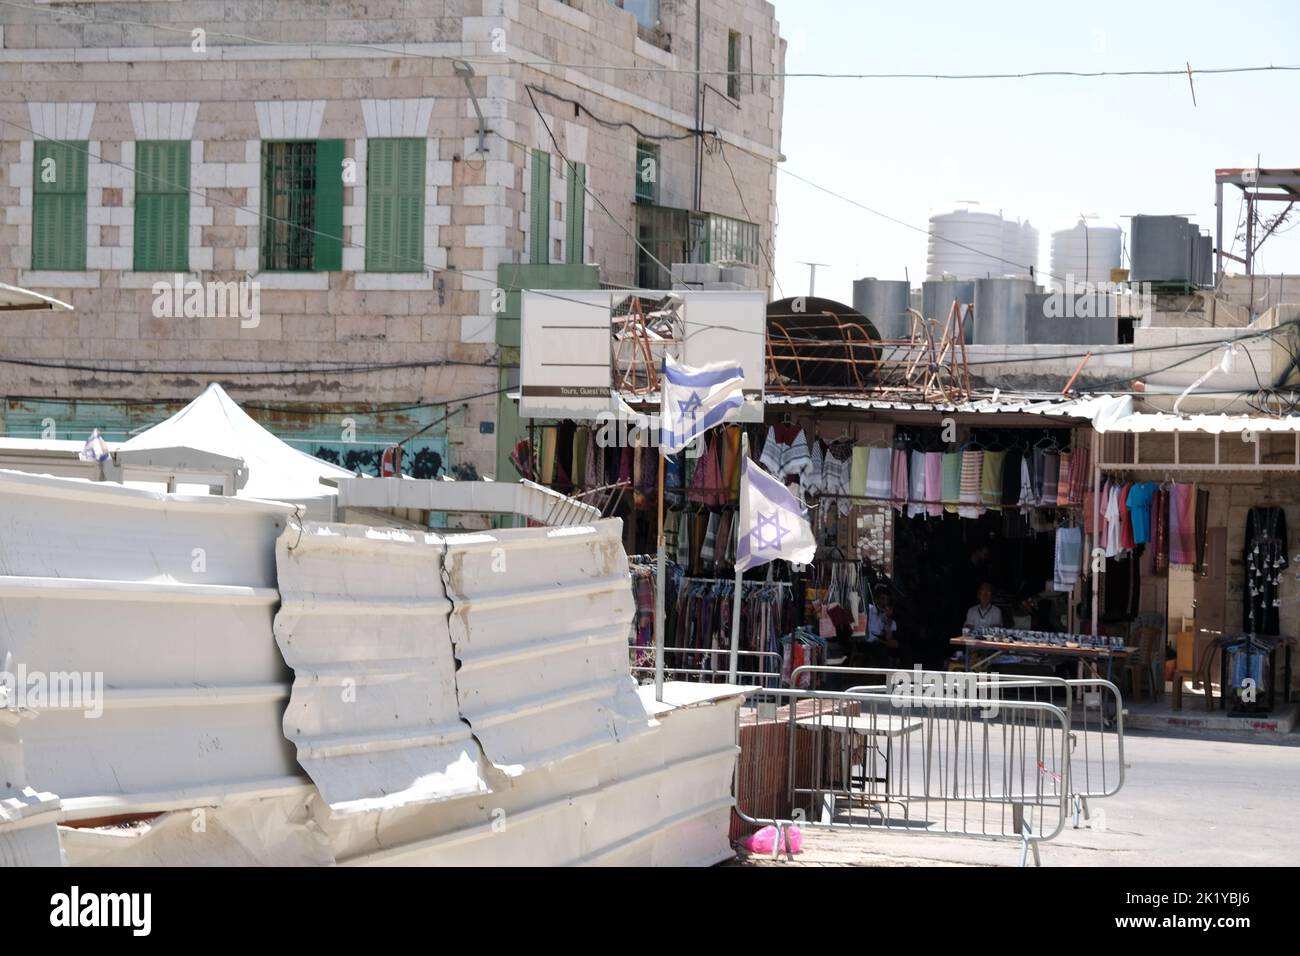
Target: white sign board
(567,353)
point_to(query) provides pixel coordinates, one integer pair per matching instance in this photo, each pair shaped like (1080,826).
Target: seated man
(985,614)
(882,630)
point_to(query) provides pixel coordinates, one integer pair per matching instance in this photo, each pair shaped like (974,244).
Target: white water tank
(1029,246)
(1019,250)
(965,245)
(1087,253)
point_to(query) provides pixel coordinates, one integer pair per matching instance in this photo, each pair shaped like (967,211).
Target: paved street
(1187,801)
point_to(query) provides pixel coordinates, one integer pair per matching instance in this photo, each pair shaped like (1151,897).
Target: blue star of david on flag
(773,523)
(696,399)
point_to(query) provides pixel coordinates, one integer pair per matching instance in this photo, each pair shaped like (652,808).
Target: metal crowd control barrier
(642,657)
(1093,706)
(993,769)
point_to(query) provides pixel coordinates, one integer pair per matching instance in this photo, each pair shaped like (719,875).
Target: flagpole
(735,597)
(660,574)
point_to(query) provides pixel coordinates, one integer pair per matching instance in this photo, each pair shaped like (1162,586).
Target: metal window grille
(288,206)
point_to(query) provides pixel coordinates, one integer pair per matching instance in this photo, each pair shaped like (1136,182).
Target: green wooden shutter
(539,201)
(327,241)
(395,205)
(576,209)
(59,206)
(162,206)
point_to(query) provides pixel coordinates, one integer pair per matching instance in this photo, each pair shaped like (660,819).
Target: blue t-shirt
(1139,506)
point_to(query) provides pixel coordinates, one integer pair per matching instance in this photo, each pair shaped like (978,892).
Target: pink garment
(898,494)
(1182,524)
(934,483)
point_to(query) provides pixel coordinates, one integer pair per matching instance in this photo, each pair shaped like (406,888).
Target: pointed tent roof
(214,425)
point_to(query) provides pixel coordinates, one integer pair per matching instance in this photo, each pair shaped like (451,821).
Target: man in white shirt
(985,614)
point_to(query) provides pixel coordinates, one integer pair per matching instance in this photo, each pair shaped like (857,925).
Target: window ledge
(652,52)
(562,11)
(392,281)
(37,278)
(306,281)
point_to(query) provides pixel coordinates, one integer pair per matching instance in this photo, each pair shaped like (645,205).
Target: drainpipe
(698,184)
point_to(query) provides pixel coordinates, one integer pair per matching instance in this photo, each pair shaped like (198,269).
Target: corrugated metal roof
(363,624)
(540,622)
(1010,404)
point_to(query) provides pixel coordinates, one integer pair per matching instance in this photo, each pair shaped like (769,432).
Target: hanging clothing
(837,475)
(861,476)
(1140,497)
(916,485)
(898,486)
(1112,544)
(1080,474)
(972,472)
(546,457)
(785,453)
(1051,478)
(1125,519)
(951,481)
(934,484)
(1160,533)
(1069,558)
(1063,479)
(817,456)
(1182,521)
(878,475)
(1027,499)
(1011,478)
(991,480)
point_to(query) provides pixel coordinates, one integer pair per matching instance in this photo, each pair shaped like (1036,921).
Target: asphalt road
(1187,801)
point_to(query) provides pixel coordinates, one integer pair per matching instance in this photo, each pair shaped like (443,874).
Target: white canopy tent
(214,441)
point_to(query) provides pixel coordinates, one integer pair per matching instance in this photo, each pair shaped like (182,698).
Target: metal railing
(1094,708)
(917,759)
(713,671)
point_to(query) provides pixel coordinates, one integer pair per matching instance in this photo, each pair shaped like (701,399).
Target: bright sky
(1043,149)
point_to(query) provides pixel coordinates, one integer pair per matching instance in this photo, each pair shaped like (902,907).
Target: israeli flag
(773,522)
(694,400)
(95,449)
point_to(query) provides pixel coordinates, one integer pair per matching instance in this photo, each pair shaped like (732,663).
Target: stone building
(298,198)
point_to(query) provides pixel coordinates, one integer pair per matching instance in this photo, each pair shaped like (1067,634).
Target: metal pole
(1096,525)
(660,575)
(1218,235)
(735,598)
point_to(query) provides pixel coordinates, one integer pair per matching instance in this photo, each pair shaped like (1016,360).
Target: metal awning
(14,299)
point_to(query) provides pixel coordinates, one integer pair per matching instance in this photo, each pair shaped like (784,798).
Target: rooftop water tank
(1000,310)
(1087,253)
(965,245)
(1029,248)
(938,295)
(885,302)
(1163,249)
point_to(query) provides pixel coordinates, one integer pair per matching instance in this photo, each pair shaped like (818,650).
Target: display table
(1090,657)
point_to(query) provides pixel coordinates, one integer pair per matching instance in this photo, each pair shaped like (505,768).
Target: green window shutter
(327,241)
(539,203)
(395,205)
(162,206)
(59,206)
(576,209)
